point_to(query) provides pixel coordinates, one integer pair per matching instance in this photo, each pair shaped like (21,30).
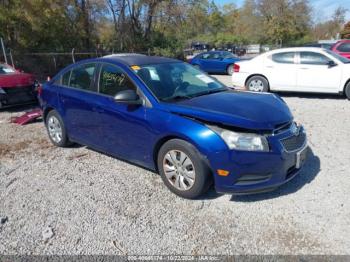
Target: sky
(323,9)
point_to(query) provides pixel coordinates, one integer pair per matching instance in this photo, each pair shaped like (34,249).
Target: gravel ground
(78,201)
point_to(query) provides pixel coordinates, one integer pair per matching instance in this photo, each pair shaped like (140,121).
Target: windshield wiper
(208,92)
(177,97)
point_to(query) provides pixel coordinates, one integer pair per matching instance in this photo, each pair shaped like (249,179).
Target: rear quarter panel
(49,98)
(247,68)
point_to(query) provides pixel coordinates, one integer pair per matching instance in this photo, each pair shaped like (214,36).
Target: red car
(342,48)
(16,87)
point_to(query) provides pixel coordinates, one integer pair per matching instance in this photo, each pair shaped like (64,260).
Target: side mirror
(331,63)
(128,97)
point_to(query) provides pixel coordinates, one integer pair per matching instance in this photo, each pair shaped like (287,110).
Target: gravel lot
(78,201)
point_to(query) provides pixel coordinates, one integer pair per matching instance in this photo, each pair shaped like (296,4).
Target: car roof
(218,51)
(296,49)
(131,59)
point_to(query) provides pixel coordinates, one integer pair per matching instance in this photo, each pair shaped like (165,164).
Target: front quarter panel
(190,130)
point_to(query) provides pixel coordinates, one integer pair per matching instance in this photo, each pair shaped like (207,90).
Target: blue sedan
(215,62)
(168,116)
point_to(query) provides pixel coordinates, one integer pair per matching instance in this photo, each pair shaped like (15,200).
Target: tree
(332,27)
(345,33)
(284,20)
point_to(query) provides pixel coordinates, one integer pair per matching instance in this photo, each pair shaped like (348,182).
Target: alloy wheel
(256,85)
(55,129)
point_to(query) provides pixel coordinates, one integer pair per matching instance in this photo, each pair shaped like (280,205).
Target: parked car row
(215,62)
(16,87)
(302,69)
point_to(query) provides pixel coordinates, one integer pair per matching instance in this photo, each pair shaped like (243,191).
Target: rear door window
(205,56)
(113,80)
(65,78)
(82,77)
(284,58)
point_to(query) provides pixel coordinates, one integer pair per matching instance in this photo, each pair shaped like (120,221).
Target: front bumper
(255,172)
(17,95)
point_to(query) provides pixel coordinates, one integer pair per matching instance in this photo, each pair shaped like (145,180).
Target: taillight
(236,68)
(38,88)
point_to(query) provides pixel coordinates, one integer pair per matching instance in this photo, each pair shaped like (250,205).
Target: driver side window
(113,80)
(205,56)
(312,58)
(215,56)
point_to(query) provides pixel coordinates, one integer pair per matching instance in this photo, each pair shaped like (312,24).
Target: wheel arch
(167,138)
(195,141)
(261,75)
(158,146)
(46,112)
(346,84)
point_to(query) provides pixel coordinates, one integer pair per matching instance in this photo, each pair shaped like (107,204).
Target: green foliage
(163,27)
(345,33)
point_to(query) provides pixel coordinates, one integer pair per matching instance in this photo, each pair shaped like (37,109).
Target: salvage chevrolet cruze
(170,117)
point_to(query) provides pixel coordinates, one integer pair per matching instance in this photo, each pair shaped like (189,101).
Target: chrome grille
(295,142)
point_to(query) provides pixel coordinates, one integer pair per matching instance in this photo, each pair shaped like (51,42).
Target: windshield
(339,57)
(5,69)
(174,81)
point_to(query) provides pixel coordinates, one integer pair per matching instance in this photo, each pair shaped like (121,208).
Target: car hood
(247,110)
(16,80)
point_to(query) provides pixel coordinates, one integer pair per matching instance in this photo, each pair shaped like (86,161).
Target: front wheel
(258,84)
(183,169)
(347,91)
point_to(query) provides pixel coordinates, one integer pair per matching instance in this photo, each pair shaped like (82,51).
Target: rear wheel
(56,129)
(182,169)
(347,91)
(258,84)
(230,70)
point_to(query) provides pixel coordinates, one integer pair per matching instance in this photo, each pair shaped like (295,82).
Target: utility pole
(3,49)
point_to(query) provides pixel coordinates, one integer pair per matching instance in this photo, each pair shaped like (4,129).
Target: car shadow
(210,194)
(20,108)
(307,174)
(311,95)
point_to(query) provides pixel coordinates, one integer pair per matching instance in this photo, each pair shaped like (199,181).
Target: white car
(301,69)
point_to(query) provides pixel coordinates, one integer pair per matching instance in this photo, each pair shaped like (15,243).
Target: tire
(257,84)
(56,129)
(229,70)
(194,173)
(347,91)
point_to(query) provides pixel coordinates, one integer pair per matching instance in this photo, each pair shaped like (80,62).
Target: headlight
(242,141)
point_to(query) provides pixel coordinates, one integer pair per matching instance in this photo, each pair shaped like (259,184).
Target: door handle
(304,68)
(269,66)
